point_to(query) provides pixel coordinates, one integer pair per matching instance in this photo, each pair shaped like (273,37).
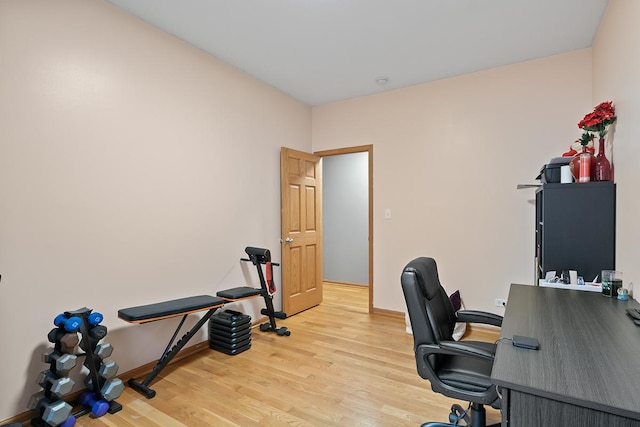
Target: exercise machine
(259,257)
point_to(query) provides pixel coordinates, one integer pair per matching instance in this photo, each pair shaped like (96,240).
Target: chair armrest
(462,348)
(473,316)
(454,348)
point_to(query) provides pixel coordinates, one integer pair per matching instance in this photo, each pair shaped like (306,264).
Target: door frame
(361,149)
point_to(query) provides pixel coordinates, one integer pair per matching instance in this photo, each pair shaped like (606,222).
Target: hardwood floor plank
(341,366)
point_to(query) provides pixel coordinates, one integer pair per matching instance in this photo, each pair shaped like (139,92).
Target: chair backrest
(430,310)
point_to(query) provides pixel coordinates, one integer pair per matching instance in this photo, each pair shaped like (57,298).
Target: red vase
(582,166)
(602,167)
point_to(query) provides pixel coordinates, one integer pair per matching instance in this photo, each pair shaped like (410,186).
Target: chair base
(477,417)
(456,425)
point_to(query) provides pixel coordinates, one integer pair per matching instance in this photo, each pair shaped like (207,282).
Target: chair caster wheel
(458,413)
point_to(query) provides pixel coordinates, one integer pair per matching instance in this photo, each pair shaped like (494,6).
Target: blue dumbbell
(95,318)
(99,407)
(69,324)
(70,422)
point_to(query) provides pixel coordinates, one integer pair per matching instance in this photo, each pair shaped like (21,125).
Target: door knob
(288,240)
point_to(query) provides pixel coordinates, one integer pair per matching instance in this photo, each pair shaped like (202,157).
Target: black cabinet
(576,228)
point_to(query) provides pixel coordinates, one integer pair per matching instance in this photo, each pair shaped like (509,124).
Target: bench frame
(171,350)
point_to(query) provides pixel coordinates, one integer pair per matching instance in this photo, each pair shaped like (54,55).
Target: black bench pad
(166,309)
(238,293)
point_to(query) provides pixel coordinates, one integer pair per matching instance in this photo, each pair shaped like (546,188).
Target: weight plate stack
(230,332)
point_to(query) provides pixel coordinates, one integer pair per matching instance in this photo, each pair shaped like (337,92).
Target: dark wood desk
(587,370)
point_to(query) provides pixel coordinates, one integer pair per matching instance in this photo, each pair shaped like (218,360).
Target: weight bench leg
(168,354)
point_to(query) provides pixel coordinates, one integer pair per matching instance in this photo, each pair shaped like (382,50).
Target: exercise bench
(185,306)
(165,310)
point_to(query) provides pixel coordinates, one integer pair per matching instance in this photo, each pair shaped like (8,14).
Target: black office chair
(461,370)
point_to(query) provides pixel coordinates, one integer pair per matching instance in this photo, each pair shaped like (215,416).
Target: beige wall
(616,67)
(134,168)
(447,158)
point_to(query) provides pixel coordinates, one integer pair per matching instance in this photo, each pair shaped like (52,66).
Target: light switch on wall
(387,213)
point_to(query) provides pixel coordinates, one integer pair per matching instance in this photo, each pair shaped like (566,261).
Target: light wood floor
(340,367)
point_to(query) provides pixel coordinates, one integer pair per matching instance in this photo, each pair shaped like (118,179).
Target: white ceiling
(321,51)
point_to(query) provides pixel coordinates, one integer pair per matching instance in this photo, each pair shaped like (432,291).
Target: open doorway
(347,216)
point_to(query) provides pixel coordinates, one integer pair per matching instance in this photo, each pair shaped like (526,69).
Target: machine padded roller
(238,293)
(260,252)
(163,310)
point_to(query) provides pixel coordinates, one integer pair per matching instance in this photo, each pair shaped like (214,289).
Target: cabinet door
(578,228)
(538,238)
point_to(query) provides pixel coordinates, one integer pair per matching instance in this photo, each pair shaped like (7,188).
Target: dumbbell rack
(101,382)
(101,375)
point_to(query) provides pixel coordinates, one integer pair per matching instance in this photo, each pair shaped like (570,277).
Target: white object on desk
(573,277)
(588,286)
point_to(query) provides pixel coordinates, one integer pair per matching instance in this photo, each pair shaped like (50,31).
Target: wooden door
(301,212)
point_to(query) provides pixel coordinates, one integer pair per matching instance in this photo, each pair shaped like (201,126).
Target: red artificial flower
(602,116)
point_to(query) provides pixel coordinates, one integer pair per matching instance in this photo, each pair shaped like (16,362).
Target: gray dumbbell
(53,413)
(66,340)
(64,362)
(58,386)
(112,389)
(108,369)
(104,350)
(69,341)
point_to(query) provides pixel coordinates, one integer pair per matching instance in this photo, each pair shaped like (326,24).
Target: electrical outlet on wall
(501,302)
